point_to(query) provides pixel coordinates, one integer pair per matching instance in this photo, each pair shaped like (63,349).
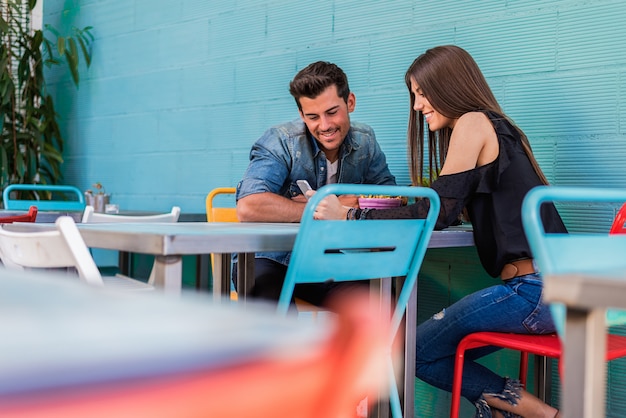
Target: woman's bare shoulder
(473,142)
(473,120)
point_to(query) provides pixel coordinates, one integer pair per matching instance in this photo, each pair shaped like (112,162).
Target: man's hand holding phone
(304,187)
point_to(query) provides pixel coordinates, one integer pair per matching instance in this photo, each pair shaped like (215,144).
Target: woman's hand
(349,200)
(331,208)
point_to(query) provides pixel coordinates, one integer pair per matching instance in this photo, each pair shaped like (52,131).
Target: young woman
(487,167)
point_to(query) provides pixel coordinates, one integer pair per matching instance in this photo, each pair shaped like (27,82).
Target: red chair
(548,345)
(27,217)
(618,223)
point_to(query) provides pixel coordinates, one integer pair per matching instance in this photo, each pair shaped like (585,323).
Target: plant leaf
(20,169)
(61,45)
(4,167)
(86,54)
(4,26)
(52,29)
(87,30)
(71,55)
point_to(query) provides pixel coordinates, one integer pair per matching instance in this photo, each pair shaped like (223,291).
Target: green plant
(31,145)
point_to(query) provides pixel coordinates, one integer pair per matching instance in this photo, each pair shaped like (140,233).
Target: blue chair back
(44,205)
(362,250)
(574,252)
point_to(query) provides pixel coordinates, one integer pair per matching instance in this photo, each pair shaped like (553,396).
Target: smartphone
(304,186)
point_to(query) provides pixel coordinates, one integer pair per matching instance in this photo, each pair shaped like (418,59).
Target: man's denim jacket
(288,152)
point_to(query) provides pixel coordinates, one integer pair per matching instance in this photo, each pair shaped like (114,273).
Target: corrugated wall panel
(260,79)
(356,18)
(592,162)
(239,32)
(315,17)
(568,105)
(529,47)
(592,35)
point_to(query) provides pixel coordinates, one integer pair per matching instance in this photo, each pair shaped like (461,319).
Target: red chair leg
(523,367)
(618,223)
(457,380)
(470,343)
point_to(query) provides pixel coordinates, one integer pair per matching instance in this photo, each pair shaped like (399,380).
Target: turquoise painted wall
(180,89)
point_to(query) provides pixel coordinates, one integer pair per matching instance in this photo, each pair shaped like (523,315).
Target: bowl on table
(379,202)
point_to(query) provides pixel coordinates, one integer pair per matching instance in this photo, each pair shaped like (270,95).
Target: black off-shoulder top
(493,196)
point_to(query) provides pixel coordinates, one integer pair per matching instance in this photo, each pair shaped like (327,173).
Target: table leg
(125,263)
(203,266)
(168,273)
(380,296)
(406,383)
(221,276)
(410,326)
(585,365)
(245,275)
(543,386)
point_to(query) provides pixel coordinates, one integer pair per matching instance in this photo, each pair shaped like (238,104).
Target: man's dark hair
(312,80)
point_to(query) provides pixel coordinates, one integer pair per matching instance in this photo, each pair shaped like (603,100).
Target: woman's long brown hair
(454,85)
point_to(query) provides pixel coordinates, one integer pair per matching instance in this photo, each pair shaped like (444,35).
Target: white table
(586,298)
(168,242)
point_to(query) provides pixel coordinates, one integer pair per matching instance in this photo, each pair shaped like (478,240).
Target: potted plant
(31,145)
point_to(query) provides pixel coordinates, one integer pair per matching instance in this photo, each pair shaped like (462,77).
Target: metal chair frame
(220,214)
(362,250)
(44,205)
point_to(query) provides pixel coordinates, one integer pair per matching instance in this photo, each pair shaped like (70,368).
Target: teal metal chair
(362,250)
(76,204)
(574,252)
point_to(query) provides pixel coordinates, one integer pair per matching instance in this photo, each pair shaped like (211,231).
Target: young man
(322,147)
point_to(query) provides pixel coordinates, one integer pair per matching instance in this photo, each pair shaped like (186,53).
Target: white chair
(90,216)
(62,247)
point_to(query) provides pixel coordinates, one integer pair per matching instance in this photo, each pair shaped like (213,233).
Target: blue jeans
(512,306)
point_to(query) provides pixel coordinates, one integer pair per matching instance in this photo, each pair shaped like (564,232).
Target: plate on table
(379,202)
